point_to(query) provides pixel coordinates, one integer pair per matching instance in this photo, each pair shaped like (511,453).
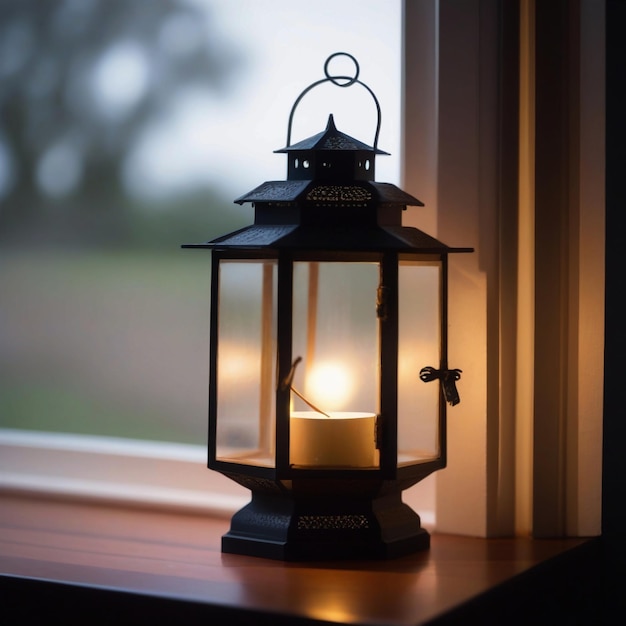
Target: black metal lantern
(328,328)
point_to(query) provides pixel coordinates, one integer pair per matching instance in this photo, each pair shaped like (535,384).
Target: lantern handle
(335,81)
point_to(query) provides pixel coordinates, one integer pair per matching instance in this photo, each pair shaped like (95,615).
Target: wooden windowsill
(64,558)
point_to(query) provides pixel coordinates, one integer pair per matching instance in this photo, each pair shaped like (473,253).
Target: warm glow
(330,386)
(409,366)
(237,362)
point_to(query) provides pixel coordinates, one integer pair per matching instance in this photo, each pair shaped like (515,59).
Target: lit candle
(319,438)
(338,439)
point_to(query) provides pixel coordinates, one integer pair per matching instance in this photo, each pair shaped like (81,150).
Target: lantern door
(335,389)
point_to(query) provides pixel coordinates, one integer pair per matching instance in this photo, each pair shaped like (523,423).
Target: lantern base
(281,528)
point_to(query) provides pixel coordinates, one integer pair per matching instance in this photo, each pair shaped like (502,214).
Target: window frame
(517,464)
(115,470)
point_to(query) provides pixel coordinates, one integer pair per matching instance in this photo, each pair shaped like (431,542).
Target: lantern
(328,367)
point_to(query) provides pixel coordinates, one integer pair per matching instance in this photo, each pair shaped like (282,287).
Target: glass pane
(419,346)
(246,362)
(335,395)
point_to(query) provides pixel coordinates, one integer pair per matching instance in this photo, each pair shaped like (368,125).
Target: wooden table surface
(150,554)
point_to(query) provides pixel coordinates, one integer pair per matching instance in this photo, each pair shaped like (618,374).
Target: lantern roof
(342,238)
(352,192)
(330,139)
(330,200)
(344,186)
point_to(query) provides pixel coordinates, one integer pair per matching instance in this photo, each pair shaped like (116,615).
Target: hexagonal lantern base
(284,528)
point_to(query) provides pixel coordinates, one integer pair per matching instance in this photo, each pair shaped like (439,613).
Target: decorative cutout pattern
(336,193)
(332,522)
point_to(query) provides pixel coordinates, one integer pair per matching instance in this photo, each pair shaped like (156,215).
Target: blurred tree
(79,82)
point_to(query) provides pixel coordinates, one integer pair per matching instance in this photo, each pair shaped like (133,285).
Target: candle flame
(330,385)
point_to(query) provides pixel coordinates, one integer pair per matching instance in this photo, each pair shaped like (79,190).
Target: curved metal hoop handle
(335,81)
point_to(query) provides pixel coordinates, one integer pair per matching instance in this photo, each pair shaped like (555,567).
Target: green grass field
(107,343)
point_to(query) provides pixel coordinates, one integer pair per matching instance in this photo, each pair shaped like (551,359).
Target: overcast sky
(285,43)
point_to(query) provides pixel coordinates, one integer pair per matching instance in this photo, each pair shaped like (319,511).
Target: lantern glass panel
(419,345)
(246,362)
(336,333)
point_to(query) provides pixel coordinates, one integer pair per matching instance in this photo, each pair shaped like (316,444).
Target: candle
(345,439)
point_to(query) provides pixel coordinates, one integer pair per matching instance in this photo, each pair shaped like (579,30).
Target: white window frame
(487,488)
(115,470)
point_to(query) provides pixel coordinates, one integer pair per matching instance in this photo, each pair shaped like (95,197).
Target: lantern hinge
(382,295)
(378,432)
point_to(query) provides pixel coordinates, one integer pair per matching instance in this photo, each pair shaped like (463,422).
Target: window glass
(128,128)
